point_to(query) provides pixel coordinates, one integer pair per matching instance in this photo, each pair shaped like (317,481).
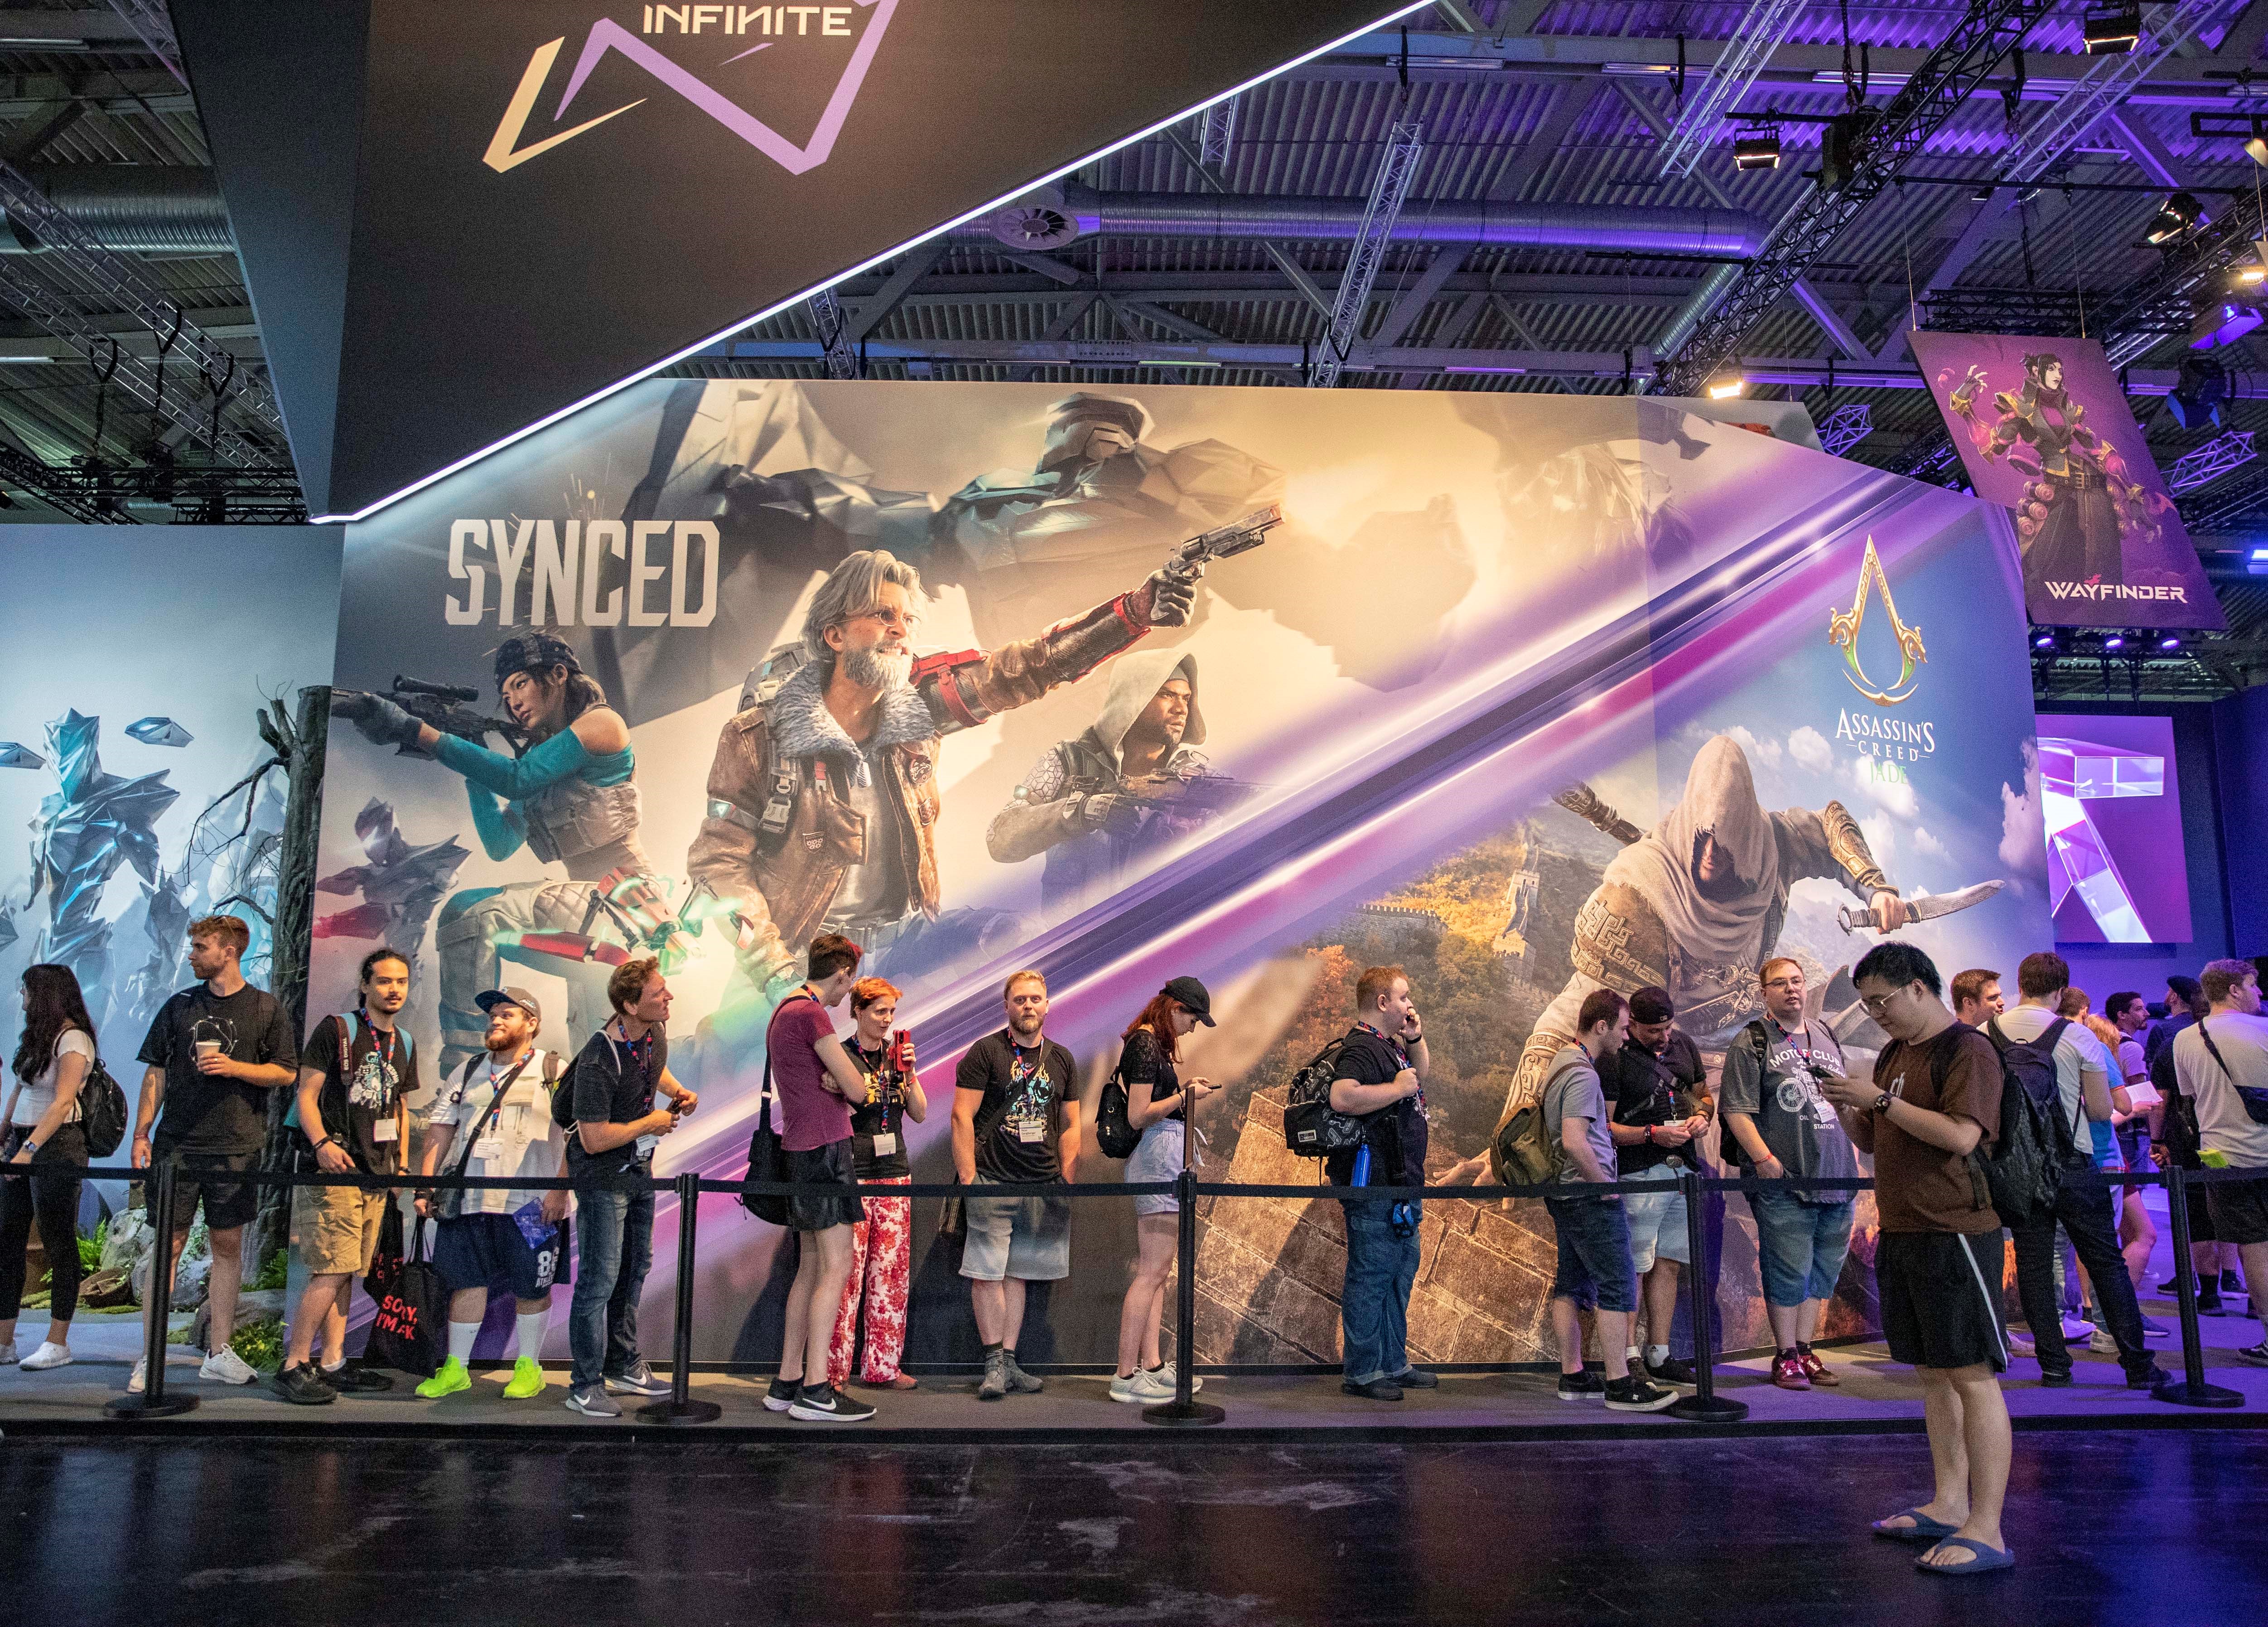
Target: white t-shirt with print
(34,1100)
(2076,1053)
(527,1142)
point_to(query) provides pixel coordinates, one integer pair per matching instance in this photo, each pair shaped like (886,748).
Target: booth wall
(199,625)
(2201,765)
(2240,736)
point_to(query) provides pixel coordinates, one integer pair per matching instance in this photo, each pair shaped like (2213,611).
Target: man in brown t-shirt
(1934,1098)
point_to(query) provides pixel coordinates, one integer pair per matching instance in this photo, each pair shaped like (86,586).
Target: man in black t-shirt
(1015,1119)
(213,1052)
(356,1079)
(1657,1089)
(1380,1080)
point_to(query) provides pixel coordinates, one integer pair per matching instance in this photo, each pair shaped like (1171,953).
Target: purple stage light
(2116,641)
(2169,643)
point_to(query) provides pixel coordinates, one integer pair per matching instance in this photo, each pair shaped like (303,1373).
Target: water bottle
(1361,1165)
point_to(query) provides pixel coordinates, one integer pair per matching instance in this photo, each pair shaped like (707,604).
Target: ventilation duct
(129,208)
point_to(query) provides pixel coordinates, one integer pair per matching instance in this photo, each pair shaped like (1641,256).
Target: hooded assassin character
(1695,905)
(1121,792)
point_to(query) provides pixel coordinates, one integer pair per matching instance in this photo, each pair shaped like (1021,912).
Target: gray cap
(520,997)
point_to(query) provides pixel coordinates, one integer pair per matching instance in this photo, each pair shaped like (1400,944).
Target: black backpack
(102,1111)
(1114,1133)
(1311,1127)
(2024,1170)
(1730,1152)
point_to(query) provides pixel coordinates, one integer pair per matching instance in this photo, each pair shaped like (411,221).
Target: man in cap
(494,1118)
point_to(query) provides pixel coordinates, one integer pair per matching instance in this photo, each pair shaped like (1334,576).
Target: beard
(1026,1023)
(875,668)
(500,1043)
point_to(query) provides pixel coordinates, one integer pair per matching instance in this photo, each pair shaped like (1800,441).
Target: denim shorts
(1594,1253)
(1657,1220)
(1800,1247)
(1025,1238)
(1157,1157)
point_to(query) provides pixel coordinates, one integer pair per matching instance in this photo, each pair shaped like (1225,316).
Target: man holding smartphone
(1783,1127)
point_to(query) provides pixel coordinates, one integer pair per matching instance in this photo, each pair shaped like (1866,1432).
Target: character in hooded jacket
(1134,784)
(1696,904)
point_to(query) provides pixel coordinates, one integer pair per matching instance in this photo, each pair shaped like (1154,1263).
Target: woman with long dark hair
(570,798)
(52,1059)
(1158,1103)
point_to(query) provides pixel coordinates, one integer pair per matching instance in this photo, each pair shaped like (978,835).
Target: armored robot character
(91,824)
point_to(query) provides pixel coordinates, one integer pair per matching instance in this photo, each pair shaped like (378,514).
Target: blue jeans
(1374,1304)
(1800,1247)
(614,1229)
(1594,1269)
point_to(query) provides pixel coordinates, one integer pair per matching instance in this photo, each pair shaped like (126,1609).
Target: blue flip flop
(1988,1558)
(1924,1529)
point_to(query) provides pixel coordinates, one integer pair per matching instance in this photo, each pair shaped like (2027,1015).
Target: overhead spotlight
(2170,641)
(2045,641)
(2199,389)
(1757,147)
(2255,561)
(2116,641)
(2256,150)
(2112,28)
(2181,212)
(1726,386)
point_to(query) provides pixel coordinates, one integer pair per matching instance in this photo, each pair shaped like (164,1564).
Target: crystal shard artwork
(2074,773)
(158,731)
(91,824)
(13,755)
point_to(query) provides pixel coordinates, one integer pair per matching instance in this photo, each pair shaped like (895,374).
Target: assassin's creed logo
(699,26)
(1843,630)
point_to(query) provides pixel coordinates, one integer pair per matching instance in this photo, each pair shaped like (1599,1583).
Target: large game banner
(1440,609)
(2044,431)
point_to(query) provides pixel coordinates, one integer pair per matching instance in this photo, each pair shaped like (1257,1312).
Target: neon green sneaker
(526,1379)
(451,1378)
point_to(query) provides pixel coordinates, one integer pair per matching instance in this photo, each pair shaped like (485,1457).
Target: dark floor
(2133,1528)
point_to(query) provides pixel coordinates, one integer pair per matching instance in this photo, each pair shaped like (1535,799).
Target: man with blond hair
(2222,1061)
(1015,1122)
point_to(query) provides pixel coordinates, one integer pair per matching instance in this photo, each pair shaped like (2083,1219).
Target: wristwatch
(31,1148)
(1883,1102)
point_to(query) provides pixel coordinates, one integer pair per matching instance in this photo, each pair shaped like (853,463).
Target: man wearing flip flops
(1934,1098)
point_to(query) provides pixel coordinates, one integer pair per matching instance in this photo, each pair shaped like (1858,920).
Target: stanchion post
(1185,1410)
(157,1301)
(1705,1405)
(681,1408)
(2190,1389)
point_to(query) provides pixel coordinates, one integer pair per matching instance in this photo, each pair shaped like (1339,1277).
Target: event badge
(384,1130)
(489,1149)
(646,1144)
(1031,1132)
(886,1144)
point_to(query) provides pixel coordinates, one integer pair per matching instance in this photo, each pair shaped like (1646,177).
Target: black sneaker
(1637,1394)
(1417,1378)
(2209,1302)
(780,1395)
(2147,1378)
(2231,1283)
(350,1379)
(1584,1385)
(2055,1377)
(823,1403)
(1377,1389)
(303,1387)
(1671,1369)
(2168,1288)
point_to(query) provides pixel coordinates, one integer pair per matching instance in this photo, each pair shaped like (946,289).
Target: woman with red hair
(881,1245)
(1157,1104)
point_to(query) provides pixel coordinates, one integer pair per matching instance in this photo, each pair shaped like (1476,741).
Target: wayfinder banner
(2044,431)
(1427,615)
(481,214)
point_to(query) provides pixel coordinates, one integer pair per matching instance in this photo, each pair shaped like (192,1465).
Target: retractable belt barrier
(2189,1389)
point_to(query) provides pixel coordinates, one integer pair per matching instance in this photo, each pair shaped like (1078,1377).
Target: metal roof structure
(1552,107)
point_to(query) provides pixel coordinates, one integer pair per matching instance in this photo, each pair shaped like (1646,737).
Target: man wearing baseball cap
(494,1118)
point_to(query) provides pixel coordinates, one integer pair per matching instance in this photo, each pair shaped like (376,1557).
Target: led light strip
(868,264)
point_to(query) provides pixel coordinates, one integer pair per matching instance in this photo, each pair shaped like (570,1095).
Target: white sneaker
(49,1354)
(1142,1389)
(227,1366)
(2101,1343)
(1165,1374)
(8,1354)
(139,1379)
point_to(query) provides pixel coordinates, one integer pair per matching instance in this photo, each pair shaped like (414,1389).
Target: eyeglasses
(1875,1004)
(1784,983)
(897,621)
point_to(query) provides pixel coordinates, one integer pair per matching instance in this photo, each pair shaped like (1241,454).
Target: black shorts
(1941,1298)
(488,1251)
(2240,1210)
(227,1204)
(2200,1208)
(834,1164)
